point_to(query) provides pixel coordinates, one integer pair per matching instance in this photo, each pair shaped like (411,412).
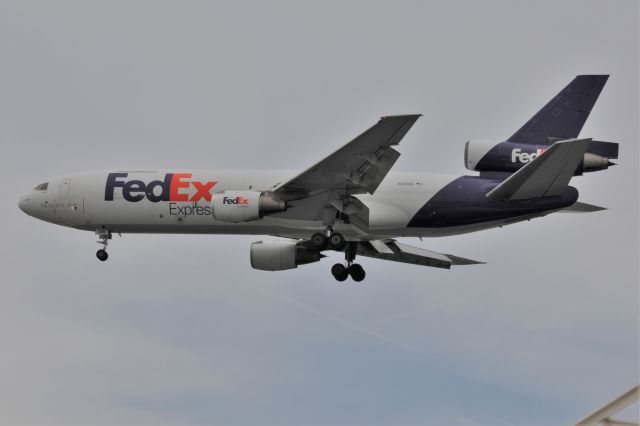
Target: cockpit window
(42,187)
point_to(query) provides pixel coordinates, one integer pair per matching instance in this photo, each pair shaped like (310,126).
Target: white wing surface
(356,168)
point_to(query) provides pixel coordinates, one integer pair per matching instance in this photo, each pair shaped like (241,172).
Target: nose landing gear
(102,255)
(104,236)
(340,272)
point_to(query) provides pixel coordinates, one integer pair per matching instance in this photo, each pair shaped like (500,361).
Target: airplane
(348,202)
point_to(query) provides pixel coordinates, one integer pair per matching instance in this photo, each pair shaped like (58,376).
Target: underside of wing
(397,252)
(356,168)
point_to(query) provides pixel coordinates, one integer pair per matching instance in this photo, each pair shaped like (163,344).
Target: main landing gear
(341,272)
(104,236)
(328,240)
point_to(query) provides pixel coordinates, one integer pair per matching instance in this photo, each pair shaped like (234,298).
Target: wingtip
(460,261)
(416,116)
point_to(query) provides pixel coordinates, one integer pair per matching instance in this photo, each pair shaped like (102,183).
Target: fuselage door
(68,211)
(64,189)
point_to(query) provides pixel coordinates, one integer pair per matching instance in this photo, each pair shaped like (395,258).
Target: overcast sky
(181,330)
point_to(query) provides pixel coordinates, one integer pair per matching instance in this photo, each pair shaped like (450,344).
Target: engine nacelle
(244,206)
(508,157)
(281,255)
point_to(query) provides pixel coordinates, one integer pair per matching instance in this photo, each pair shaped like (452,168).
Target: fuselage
(179,201)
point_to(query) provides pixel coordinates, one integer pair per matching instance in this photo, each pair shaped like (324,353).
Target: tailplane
(546,176)
(579,207)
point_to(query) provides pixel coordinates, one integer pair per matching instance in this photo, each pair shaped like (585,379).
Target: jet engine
(244,206)
(281,255)
(508,157)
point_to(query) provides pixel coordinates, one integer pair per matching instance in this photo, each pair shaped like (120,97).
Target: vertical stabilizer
(564,115)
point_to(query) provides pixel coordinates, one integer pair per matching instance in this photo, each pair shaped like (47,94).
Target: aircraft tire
(339,272)
(319,241)
(102,255)
(357,272)
(337,242)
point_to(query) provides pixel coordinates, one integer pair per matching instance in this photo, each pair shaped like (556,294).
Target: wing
(397,252)
(547,175)
(358,167)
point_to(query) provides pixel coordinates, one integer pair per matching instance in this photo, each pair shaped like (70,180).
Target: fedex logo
(524,157)
(172,188)
(236,200)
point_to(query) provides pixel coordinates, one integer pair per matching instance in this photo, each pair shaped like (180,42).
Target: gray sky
(180,329)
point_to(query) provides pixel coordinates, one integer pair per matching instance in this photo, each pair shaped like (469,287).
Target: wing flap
(408,254)
(380,247)
(547,175)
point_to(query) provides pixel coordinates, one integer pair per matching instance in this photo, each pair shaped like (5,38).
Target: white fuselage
(80,201)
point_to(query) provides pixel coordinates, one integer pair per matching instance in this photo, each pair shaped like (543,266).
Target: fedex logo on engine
(173,187)
(236,200)
(524,157)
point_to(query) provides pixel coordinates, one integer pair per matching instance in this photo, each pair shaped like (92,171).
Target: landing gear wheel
(339,272)
(319,241)
(357,272)
(337,242)
(102,255)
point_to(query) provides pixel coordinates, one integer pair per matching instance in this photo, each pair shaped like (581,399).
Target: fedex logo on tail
(173,187)
(525,157)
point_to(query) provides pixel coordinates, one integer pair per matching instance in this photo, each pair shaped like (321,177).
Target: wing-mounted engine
(509,157)
(281,255)
(244,206)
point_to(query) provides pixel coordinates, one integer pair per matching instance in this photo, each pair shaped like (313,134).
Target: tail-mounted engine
(281,255)
(244,206)
(508,157)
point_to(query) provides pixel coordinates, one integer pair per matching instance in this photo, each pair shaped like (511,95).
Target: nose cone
(23,203)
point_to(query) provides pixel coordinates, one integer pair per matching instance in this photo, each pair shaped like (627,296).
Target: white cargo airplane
(348,202)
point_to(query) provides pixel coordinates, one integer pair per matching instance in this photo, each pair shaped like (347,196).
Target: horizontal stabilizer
(604,149)
(547,175)
(579,207)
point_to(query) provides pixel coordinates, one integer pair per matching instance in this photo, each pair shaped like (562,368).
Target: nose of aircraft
(23,204)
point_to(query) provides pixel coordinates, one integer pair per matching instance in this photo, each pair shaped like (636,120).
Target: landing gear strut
(335,241)
(340,272)
(104,235)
